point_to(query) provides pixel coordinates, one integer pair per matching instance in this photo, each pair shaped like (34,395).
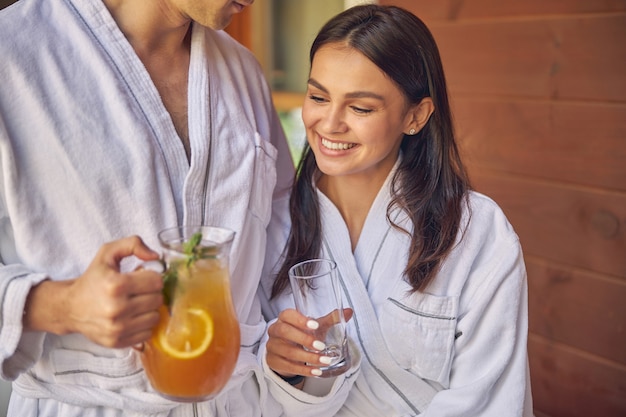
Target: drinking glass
(194,348)
(318,295)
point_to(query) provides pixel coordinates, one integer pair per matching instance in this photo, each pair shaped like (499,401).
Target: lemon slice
(190,337)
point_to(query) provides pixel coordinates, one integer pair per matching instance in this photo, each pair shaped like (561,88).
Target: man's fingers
(137,328)
(143,322)
(113,252)
(143,282)
(144,303)
(133,339)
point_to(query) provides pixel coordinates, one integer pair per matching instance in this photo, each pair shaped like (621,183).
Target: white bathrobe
(457,349)
(89,154)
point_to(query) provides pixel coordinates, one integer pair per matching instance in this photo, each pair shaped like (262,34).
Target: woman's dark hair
(430,183)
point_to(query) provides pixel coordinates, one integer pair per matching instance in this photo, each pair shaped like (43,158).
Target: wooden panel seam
(577,352)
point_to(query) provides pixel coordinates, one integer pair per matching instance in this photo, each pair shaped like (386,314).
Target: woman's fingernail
(317,345)
(316,372)
(326,360)
(312,324)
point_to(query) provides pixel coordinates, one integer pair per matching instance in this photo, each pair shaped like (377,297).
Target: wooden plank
(573,59)
(582,228)
(577,308)
(591,60)
(581,143)
(566,383)
(497,58)
(460,10)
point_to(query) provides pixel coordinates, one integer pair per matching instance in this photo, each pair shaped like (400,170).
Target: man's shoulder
(27,25)
(25,14)
(220,41)
(230,60)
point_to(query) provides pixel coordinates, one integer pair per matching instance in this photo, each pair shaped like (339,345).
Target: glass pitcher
(194,348)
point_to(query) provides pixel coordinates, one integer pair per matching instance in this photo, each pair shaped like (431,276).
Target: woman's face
(354,115)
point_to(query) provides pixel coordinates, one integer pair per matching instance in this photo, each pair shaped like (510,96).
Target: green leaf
(170,278)
(189,247)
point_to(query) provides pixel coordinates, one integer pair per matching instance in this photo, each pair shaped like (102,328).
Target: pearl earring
(412,132)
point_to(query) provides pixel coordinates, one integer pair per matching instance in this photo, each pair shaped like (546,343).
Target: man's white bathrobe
(89,154)
(457,349)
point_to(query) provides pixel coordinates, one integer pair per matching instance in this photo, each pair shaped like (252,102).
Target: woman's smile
(336,146)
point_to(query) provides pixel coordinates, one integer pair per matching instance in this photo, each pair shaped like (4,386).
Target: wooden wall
(240,27)
(5,3)
(539,93)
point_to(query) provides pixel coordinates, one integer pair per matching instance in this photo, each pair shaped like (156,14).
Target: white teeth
(337,146)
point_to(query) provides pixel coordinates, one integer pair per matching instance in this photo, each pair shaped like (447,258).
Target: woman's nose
(333,120)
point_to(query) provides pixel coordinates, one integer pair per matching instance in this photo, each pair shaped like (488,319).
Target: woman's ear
(419,115)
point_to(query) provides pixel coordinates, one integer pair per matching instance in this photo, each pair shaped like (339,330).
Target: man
(119,118)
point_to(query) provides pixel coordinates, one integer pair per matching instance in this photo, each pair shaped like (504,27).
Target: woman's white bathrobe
(457,349)
(89,154)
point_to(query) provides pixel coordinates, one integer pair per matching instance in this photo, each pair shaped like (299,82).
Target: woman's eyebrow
(354,94)
(317,85)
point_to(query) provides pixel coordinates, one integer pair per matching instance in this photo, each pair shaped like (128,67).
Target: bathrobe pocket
(419,331)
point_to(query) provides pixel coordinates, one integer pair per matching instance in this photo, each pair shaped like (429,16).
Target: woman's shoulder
(485,240)
(480,201)
(483,216)
(487,252)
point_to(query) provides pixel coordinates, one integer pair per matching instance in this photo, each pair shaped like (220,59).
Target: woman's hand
(289,335)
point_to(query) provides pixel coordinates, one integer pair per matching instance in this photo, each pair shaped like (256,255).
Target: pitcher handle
(157,266)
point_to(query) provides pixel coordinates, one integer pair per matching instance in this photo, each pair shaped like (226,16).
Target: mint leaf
(189,247)
(170,278)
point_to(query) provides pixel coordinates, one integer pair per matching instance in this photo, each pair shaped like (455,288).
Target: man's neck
(152,27)
(161,38)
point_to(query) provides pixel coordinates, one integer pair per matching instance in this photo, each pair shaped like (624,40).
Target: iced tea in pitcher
(194,348)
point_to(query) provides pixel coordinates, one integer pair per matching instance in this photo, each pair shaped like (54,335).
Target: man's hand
(110,308)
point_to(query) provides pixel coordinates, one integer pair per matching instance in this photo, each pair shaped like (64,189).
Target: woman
(433,271)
